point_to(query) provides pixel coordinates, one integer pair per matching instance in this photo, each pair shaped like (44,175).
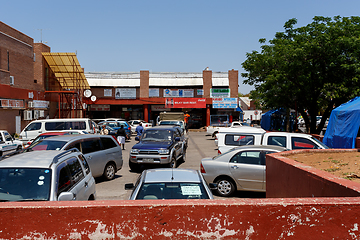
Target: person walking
(103,130)
(139,130)
(120,136)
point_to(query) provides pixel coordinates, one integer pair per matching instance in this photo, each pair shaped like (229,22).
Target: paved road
(200,146)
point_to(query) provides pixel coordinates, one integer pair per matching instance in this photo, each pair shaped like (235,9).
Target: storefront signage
(107,92)
(41,104)
(11,103)
(185,102)
(153,92)
(159,108)
(224,103)
(99,107)
(220,92)
(200,92)
(125,93)
(178,92)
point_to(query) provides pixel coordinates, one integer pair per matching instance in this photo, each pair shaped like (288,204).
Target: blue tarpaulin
(343,125)
(273,119)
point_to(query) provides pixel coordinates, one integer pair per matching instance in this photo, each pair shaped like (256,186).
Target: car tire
(109,171)
(18,149)
(172,164)
(134,166)
(225,187)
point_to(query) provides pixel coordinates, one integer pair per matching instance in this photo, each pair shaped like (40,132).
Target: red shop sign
(185,102)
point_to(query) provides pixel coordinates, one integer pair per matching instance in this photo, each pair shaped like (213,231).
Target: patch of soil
(341,164)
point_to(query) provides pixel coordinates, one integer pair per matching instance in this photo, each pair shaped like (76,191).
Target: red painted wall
(286,178)
(305,218)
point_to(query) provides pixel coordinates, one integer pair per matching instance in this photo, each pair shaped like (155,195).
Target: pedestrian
(120,136)
(103,130)
(139,130)
(186,120)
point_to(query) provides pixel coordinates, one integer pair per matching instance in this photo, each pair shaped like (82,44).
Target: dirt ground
(344,164)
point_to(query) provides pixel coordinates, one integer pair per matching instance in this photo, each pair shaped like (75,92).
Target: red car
(45,135)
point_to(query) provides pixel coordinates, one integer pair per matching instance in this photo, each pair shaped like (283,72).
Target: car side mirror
(213,186)
(177,139)
(66,196)
(129,186)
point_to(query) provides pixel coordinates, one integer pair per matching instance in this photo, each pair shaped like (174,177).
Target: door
(247,169)
(9,145)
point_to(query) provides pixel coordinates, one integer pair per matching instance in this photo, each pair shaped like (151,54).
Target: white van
(33,129)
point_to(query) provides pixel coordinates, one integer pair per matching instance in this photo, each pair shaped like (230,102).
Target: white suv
(46,176)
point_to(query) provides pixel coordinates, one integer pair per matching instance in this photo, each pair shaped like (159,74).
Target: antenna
(41,34)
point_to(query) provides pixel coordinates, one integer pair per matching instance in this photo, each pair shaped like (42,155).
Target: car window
(85,164)
(302,143)
(277,141)
(157,135)
(76,171)
(78,125)
(247,157)
(172,191)
(90,145)
(47,145)
(33,126)
(108,142)
(8,137)
(64,182)
(239,140)
(74,145)
(263,156)
(25,184)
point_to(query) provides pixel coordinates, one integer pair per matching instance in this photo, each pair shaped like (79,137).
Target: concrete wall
(306,218)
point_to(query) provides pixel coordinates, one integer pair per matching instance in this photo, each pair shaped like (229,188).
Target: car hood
(152,145)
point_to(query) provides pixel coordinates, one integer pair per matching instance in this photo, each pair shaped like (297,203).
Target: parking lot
(200,146)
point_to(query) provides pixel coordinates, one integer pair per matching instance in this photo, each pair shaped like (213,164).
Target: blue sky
(162,35)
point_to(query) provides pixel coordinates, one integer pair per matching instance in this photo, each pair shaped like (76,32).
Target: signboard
(107,92)
(224,103)
(220,92)
(153,92)
(178,92)
(41,104)
(99,107)
(125,93)
(200,92)
(185,102)
(11,103)
(159,108)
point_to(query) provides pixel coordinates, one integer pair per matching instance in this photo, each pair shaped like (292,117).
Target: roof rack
(57,157)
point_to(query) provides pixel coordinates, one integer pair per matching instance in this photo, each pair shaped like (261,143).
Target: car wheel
(109,172)
(225,187)
(134,166)
(18,149)
(172,164)
(0,154)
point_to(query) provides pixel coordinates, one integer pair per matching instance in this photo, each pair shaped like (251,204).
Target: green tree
(311,69)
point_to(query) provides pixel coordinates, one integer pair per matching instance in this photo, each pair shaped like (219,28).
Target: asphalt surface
(199,146)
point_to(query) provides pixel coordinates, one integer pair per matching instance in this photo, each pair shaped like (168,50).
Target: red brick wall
(234,83)
(39,65)
(207,82)
(144,84)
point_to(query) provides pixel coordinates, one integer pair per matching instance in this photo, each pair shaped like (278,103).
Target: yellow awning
(67,70)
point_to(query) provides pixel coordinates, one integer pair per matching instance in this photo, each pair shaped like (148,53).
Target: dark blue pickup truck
(163,145)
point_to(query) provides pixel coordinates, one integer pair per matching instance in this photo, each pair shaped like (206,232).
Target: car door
(247,170)
(178,144)
(79,185)
(10,146)
(97,159)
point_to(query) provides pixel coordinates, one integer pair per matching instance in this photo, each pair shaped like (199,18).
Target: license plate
(148,160)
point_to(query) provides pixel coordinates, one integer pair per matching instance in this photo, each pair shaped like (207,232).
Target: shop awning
(67,70)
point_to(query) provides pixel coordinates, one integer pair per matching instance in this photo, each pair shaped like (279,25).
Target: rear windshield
(46,145)
(239,140)
(73,125)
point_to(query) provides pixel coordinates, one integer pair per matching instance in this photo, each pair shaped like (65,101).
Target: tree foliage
(313,68)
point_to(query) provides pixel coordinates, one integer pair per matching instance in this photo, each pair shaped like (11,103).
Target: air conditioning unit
(36,114)
(28,115)
(12,80)
(42,113)
(30,104)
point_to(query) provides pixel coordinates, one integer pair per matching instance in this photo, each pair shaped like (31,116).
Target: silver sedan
(241,168)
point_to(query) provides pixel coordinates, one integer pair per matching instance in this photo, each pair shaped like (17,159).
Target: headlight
(134,151)
(163,151)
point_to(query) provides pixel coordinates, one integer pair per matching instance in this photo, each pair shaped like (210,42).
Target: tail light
(219,151)
(129,128)
(202,169)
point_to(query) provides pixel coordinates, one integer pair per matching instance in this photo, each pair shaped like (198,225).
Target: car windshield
(172,191)
(179,123)
(157,135)
(46,145)
(320,143)
(25,184)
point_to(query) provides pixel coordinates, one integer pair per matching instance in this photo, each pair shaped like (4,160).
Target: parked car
(135,123)
(116,125)
(52,134)
(162,183)
(103,152)
(8,145)
(36,127)
(241,168)
(158,145)
(46,176)
(173,122)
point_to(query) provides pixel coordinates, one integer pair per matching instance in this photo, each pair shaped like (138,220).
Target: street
(199,146)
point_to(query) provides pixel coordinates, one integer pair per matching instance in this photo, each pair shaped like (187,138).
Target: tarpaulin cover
(265,121)
(343,125)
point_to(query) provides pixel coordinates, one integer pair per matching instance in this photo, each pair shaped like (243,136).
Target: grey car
(103,152)
(166,183)
(46,176)
(241,168)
